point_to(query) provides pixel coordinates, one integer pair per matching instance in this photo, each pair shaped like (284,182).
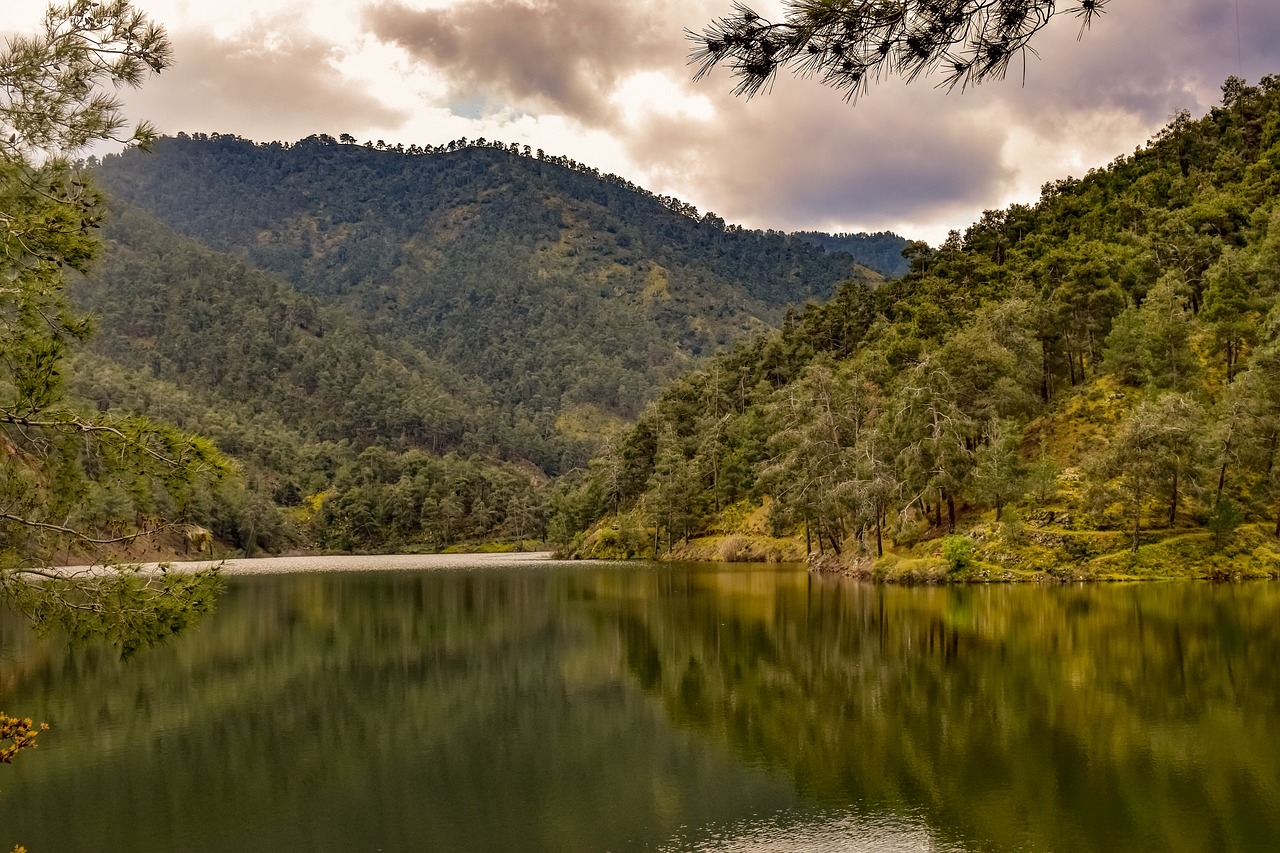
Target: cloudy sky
(607,83)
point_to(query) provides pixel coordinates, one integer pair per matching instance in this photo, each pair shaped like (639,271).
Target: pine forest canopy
(73,481)
(400,348)
(850,43)
(399,345)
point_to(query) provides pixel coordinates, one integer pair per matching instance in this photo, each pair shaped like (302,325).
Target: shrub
(958,552)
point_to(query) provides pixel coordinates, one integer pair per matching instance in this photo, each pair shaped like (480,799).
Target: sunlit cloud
(608,83)
(267,82)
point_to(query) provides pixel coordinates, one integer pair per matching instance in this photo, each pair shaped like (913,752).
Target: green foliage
(882,251)
(463,301)
(848,45)
(127,608)
(544,283)
(1042,476)
(998,471)
(73,482)
(1127,324)
(1156,453)
(958,552)
(56,86)
(382,501)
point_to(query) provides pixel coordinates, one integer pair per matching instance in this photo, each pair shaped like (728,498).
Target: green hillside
(294,390)
(1087,386)
(554,285)
(399,348)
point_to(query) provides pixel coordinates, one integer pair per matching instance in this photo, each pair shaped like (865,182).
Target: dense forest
(417,347)
(400,346)
(553,286)
(1069,383)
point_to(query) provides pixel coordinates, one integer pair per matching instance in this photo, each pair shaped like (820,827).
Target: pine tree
(72,483)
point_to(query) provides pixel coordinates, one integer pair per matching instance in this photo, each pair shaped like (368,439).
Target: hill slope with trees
(399,347)
(1086,386)
(300,394)
(553,284)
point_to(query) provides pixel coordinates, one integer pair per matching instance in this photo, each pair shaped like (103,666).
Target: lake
(507,703)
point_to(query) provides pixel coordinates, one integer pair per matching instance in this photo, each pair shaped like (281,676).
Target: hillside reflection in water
(638,707)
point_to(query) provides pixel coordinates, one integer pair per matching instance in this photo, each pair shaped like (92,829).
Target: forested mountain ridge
(1104,364)
(555,286)
(207,322)
(398,348)
(881,251)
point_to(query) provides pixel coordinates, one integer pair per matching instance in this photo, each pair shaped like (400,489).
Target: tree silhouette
(850,43)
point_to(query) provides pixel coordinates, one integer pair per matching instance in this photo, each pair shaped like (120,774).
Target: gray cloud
(260,85)
(801,157)
(1148,59)
(564,55)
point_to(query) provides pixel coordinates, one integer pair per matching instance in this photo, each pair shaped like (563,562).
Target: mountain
(399,348)
(168,307)
(555,286)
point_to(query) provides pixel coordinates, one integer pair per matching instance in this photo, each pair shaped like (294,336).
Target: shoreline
(241,566)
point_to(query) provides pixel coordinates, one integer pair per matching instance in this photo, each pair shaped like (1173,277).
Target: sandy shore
(376,563)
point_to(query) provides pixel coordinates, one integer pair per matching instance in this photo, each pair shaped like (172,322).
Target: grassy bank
(997,553)
(980,553)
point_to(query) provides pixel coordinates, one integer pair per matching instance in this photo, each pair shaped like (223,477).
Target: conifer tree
(58,465)
(850,43)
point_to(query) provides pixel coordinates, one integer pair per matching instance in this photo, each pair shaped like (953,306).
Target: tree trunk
(951,514)
(808,538)
(835,543)
(879,536)
(1044,370)
(1137,519)
(1222,481)
(1173,506)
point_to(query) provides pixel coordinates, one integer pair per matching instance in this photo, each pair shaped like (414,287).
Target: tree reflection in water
(579,707)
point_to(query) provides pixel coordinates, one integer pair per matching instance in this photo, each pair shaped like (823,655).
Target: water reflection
(675,707)
(1012,718)
(822,833)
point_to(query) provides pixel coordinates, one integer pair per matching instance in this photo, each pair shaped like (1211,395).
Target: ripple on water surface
(822,833)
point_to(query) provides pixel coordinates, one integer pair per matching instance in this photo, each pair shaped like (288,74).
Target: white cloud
(273,80)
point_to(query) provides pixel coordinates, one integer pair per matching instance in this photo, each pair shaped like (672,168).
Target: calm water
(580,707)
